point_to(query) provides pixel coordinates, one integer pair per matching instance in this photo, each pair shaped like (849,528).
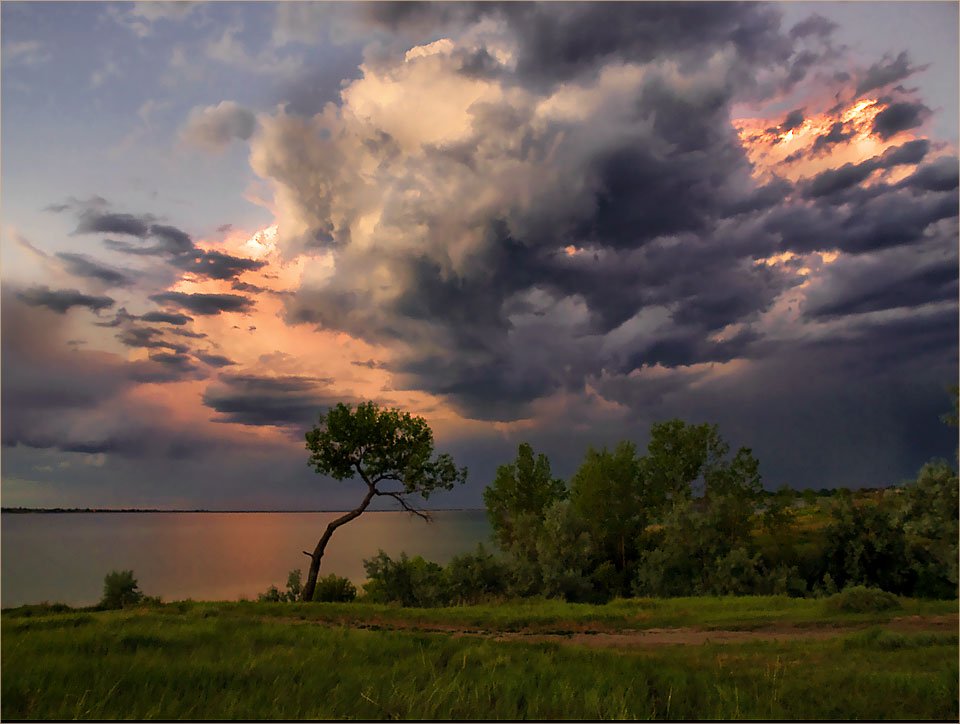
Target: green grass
(260,661)
(731,612)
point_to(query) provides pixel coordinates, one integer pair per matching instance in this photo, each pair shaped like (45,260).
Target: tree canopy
(392,453)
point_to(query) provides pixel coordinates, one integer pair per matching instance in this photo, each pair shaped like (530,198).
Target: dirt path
(639,638)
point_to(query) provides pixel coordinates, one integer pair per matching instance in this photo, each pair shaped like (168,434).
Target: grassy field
(288,661)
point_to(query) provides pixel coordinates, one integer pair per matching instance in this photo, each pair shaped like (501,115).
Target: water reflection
(207,556)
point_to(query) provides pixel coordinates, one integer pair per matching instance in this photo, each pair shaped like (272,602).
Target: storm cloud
(587,153)
(204,304)
(167,242)
(292,401)
(61,300)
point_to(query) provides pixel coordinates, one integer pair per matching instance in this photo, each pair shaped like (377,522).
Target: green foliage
(929,515)
(387,448)
(609,494)
(380,445)
(233,661)
(293,592)
(334,589)
(861,599)
(120,589)
(520,493)
(475,577)
(865,546)
(407,581)
(564,551)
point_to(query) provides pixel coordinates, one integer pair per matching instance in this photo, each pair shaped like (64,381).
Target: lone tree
(391,451)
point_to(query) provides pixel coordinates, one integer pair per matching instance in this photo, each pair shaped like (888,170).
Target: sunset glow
(523,222)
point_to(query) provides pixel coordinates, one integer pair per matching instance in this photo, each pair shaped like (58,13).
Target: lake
(63,557)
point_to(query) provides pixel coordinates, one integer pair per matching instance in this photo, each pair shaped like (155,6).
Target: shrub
(294,589)
(475,577)
(271,595)
(860,599)
(736,573)
(334,589)
(120,589)
(407,581)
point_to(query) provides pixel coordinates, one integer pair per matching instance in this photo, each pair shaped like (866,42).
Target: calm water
(207,556)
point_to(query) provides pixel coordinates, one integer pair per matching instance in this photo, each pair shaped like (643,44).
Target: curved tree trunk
(317,554)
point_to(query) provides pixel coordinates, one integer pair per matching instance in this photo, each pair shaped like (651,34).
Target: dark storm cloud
(61,397)
(836,134)
(96,222)
(246,287)
(217,265)
(205,304)
(886,72)
(794,118)
(938,175)
(285,401)
(370,364)
(861,223)
(61,300)
(815,25)
(214,360)
(176,361)
(83,266)
(166,317)
(168,242)
(564,41)
(870,285)
(620,228)
(833,181)
(899,117)
(149,338)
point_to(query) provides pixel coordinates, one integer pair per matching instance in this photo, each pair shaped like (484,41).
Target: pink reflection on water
(207,556)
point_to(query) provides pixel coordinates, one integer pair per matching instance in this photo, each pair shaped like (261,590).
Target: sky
(554,223)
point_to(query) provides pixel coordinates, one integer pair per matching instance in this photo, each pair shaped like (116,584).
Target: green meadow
(203,660)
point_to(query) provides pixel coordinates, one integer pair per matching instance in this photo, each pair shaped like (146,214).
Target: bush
(475,577)
(407,581)
(334,589)
(860,599)
(120,589)
(271,595)
(294,589)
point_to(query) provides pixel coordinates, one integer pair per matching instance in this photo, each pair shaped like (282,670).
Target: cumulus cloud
(214,127)
(504,207)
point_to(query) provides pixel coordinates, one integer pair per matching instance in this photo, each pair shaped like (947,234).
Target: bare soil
(639,638)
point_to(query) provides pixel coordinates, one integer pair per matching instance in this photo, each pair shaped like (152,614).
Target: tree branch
(406,506)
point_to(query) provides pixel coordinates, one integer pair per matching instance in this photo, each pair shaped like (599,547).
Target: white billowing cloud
(418,184)
(514,210)
(214,127)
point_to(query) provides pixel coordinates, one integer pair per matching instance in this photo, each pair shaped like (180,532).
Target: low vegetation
(293,661)
(667,584)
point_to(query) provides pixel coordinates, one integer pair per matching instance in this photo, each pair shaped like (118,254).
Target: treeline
(687,517)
